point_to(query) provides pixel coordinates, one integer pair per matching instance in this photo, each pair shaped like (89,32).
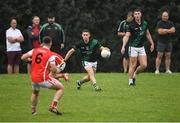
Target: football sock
(33,108)
(81,82)
(94,85)
(130,80)
(54,104)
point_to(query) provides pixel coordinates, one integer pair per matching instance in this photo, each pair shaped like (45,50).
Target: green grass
(154,98)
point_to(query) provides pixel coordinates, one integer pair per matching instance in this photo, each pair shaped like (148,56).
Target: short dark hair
(51,15)
(47,39)
(130,13)
(85,30)
(137,10)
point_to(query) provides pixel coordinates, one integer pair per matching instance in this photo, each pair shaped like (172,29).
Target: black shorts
(126,53)
(164,47)
(14,57)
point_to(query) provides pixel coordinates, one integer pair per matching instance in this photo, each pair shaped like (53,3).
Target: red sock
(54,104)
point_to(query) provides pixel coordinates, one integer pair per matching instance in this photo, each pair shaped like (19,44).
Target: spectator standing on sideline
(13,39)
(55,31)
(33,36)
(165,29)
(122,29)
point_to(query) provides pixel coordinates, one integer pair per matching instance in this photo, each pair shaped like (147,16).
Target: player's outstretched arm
(148,36)
(69,53)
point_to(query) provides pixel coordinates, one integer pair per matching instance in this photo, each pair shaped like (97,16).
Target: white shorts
(51,83)
(87,64)
(134,51)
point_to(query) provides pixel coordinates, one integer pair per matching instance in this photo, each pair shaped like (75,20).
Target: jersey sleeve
(52,60)
(120,28)
(159,25)
(98,45)
(129,28)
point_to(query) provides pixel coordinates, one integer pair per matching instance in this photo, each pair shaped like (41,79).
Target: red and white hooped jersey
(58,59)
(41,58)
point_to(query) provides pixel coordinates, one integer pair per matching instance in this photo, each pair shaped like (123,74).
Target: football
(105,53)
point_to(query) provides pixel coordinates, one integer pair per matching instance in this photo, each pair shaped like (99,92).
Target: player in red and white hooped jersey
(60,64)
(44,62)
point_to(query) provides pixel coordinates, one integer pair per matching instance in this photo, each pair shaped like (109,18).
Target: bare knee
(143,66)
(35,93)
(168,55)
(159,56)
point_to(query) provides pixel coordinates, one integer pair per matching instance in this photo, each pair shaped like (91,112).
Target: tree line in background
(100,16)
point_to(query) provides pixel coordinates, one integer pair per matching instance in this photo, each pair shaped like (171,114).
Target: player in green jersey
(88,49)
(137,33)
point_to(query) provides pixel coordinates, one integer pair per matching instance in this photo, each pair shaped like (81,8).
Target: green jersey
(138,33)
(89,50)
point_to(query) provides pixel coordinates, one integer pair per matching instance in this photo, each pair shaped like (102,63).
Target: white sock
(130,81)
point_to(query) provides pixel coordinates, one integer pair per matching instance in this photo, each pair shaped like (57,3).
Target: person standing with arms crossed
(13,39)
(137,33)
(165,29)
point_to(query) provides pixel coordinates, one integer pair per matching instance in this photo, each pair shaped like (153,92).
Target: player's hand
(152,48)
(122,50)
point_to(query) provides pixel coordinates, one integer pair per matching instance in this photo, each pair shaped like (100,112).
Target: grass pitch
(154,98)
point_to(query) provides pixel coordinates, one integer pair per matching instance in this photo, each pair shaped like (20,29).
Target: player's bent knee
(144,66)
(35,93)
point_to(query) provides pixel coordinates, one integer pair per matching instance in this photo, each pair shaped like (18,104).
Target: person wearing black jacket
(33,36)
(55,31)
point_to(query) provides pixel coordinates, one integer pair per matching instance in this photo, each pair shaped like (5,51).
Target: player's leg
(54,84)
(125,64)
(132,63)
(83,80)
(132,67)
(126,59)
(34,97)
(34,101)
(142,61)
(168,62)
(91,71)
(142,64)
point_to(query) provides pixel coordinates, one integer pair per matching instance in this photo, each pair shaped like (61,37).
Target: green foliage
(100,16)
(154,99)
